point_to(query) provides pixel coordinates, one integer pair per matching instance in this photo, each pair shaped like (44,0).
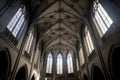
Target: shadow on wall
(4,64)
(114,63)
(33,77)
(85,77)
(97,74)
(21,74)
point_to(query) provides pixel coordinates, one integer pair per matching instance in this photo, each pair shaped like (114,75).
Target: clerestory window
(101,18)
(59,64)
(49,63)
(69,63)
(88,41)
(16,22)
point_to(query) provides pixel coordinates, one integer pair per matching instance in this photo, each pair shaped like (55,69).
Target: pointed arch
(22,73)
(33,77)
(5,63)
(70,63)
(113,61)
(49,63)
(59,64)
(97,73)
(85,77)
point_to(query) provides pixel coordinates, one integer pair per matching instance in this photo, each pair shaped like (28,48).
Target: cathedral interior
(59,40)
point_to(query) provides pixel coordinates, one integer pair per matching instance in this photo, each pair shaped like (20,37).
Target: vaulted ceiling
(59,22)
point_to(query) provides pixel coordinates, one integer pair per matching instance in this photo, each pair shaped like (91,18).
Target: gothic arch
(70,52)
(113,62)
(47,53)
(85,77)
(59,69)
(33,77)
(97,73)
(49,62)
(69,59)
(5,64)
(60,52)
(22,73)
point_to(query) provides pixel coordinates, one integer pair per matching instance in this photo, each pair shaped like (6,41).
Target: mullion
(16,22)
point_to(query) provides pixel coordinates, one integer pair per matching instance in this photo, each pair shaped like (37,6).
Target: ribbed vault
(59,22)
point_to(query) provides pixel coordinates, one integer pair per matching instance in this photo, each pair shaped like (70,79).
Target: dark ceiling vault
(59,22)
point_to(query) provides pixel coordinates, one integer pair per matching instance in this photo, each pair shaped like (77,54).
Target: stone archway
(85,77)
(33,77)
(21,74)
(4,64)
(97,74)
(114,63)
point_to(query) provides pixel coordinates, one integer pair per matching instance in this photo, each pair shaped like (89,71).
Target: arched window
(49,63)
(59,64)
(88,42)
(77,64)
(81,56)
(70,63)
(29,42)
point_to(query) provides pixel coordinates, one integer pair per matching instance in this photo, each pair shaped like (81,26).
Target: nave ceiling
(59,22)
